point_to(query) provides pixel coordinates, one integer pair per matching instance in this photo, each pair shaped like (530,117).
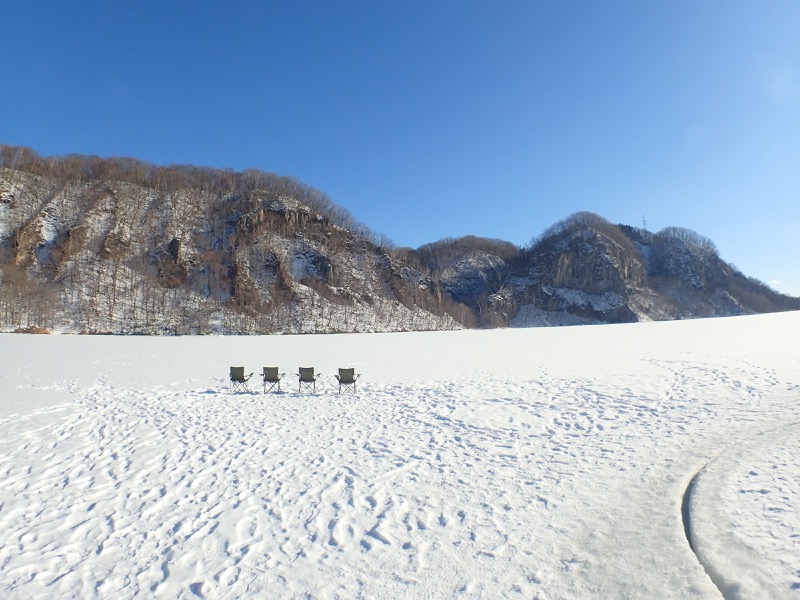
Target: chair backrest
(237,373)
(347,375)
(271,373)
(306,373)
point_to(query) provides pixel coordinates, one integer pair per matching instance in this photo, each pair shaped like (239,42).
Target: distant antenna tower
(644,224)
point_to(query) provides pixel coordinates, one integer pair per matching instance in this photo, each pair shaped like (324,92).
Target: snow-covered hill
(586,270)
(120,246)
(198,254)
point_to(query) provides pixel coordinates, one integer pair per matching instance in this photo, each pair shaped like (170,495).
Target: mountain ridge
(122,246)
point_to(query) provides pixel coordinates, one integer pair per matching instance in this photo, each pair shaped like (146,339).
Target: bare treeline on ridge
(119,245)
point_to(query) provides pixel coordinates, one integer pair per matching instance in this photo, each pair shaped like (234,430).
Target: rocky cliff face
(586,270)
(245,254)
(119,246)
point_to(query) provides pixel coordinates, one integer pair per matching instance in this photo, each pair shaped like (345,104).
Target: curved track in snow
(740,515)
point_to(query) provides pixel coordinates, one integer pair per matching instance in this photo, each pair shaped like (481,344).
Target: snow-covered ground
(530,463)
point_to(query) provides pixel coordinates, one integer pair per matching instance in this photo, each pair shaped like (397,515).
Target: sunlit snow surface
(532,463)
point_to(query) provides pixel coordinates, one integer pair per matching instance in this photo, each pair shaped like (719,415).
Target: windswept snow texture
(535,463)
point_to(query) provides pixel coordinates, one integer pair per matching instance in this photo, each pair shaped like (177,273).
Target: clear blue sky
(431,119)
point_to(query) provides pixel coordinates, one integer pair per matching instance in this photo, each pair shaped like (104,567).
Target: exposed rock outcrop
(120,246)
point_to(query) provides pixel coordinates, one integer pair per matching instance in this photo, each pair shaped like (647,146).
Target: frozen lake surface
(530,463)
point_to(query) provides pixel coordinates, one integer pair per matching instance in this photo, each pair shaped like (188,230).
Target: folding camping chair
(238,380)
(347,379)
(272,379)
(307,378)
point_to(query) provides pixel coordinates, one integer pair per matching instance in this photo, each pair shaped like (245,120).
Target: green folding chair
(272,379)
(307,379)
(238,380)
(347,380)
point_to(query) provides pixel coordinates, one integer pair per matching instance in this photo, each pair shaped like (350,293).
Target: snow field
(541,463)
